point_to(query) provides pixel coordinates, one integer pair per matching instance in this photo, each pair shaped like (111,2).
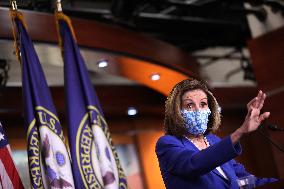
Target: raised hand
(253,118)
(257,102)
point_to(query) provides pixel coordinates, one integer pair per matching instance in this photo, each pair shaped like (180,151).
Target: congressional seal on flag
(49,162)
(90,142)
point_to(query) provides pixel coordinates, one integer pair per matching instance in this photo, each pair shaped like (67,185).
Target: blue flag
(49,162)
(94,159)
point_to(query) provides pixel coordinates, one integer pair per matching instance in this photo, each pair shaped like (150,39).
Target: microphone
(274,127)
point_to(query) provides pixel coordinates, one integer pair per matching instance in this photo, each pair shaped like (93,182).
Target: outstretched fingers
(261,100)
(256,101)
(251,103)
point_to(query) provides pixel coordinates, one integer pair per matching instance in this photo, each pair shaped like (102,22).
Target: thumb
(264,116)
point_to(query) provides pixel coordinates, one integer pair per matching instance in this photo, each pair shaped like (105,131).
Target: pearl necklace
(204,138)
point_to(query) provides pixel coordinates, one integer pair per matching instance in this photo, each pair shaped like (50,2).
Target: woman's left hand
(253,118)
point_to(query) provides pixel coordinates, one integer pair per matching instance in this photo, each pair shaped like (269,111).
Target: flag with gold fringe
(94,159)
(49,162)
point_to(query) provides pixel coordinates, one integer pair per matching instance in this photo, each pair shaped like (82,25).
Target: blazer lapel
(224,167)
(215,171)
(188,144)
(228,171)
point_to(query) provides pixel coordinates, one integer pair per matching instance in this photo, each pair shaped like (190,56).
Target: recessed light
(155,77)
(102,63)
(131,111)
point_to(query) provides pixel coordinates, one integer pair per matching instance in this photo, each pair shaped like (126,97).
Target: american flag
(9,177)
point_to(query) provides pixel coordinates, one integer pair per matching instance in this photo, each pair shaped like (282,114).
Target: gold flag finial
(58,6)
(14,5)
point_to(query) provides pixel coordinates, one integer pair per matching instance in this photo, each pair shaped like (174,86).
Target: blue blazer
(183,166)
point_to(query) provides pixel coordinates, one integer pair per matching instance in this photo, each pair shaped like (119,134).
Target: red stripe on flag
(10,168)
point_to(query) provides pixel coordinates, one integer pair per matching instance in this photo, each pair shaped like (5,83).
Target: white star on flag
(1,137)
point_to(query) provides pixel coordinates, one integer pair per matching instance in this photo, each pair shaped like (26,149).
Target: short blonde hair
(174,122)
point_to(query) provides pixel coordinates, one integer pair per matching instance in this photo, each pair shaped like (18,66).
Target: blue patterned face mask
(196,121)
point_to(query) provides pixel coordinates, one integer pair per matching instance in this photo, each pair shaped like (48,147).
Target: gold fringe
(15,14)
(62,16)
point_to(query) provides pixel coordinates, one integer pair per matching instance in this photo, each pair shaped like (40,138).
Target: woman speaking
(189,155)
